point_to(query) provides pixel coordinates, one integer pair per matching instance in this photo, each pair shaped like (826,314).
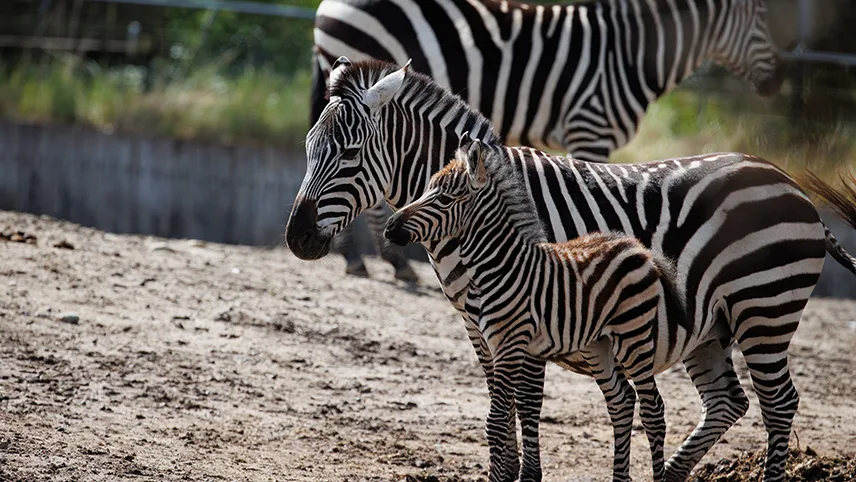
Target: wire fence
(229,6)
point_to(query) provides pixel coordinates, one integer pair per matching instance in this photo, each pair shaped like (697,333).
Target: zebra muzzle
(302,235)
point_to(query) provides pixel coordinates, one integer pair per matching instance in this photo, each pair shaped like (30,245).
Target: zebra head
(446,207)
(340,182)
(746,46)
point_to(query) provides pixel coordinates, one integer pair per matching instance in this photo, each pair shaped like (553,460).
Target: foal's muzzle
(394,230)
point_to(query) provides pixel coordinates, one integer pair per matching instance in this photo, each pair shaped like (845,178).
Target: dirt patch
(133,358)
(803,466)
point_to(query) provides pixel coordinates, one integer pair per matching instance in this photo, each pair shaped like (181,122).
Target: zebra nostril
(392,224)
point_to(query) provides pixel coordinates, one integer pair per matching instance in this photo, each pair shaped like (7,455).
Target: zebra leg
(506,370)
(345,245)
(653,415)
(511,455)
(529,397)
(634,350)
(767,359)
(620,402)
(723,403)
(376,218)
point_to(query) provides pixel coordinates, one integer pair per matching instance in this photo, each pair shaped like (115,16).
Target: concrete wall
(136,184)
(171,188)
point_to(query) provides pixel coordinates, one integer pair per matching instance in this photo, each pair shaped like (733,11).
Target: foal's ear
(475,164)
(464,141)
(385,89)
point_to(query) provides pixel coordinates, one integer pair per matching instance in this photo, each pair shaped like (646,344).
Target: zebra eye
(350,153)
(445,199)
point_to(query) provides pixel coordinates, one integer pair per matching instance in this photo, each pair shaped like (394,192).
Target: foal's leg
(653,415)
(620,401)
(511,455)
(507,363)
(529,397)
(634,350)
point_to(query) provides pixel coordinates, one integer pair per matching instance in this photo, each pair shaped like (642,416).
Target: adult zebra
(572,78)
(747,244)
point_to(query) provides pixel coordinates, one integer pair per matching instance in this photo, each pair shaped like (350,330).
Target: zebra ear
(475,164)
(337,69)
(385,89)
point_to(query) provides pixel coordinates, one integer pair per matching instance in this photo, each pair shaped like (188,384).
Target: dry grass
(685,123)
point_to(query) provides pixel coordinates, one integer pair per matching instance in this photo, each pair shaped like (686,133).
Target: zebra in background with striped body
(747,244)
(602,295)
(574,78)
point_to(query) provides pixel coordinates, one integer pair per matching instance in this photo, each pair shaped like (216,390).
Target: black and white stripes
(575,78)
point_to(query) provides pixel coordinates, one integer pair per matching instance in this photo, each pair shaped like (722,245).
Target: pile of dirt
(803,466)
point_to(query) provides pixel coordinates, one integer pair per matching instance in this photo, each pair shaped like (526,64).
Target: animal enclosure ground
(193,361)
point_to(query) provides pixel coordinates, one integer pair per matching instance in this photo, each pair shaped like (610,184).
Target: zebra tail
(675,303)
(319,90)
(842,202)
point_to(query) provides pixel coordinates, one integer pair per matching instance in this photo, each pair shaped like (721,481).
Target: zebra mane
(517,202)
(418,90)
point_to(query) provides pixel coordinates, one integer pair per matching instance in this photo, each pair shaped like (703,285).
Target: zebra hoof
(357,268)
(406,273)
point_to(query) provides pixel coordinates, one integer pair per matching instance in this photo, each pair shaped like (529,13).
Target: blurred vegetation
(223,76)
(201,37)
(253,106)
(690,121)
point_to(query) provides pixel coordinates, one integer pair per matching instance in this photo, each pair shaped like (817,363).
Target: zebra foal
(602,295)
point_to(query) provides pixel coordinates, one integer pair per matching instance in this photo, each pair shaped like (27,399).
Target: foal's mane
(510,187)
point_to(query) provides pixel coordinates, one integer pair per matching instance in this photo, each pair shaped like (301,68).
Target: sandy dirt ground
(194,361)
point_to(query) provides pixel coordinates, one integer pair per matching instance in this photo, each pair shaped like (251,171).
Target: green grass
(253,107)
(687,122)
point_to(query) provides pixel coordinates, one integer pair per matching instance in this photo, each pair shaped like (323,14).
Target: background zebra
(574,78)
(603,295)
(747,244)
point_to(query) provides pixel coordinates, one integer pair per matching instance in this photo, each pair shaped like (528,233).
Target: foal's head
(446,207)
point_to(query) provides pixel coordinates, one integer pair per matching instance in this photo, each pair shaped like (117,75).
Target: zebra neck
(501,238)
(422,130)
